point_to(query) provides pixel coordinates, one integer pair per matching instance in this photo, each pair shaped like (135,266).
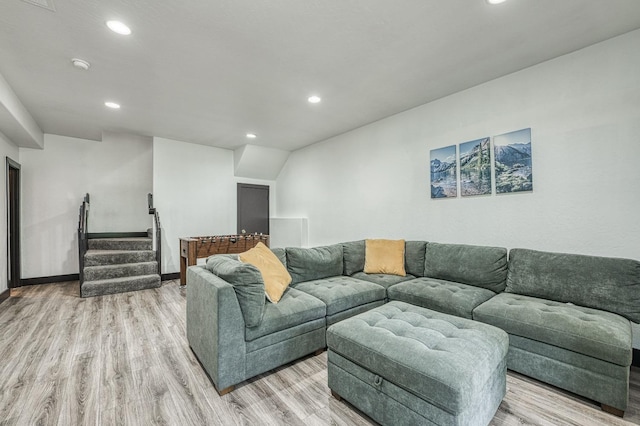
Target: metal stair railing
(83,234)
(157,232)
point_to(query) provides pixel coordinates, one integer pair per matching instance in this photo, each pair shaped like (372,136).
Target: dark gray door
(253,208)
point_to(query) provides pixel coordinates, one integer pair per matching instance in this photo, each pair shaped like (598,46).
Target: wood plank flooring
(124,360)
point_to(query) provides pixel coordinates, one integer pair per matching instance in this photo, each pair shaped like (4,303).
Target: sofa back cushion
(606,283)
(306,264)
(479,266)
(353,257)
(281,254)
(247,283)
(414,252)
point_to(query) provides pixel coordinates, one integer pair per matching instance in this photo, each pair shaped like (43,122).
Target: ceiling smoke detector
(80,63)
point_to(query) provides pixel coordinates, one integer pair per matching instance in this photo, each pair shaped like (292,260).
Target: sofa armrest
(215,327)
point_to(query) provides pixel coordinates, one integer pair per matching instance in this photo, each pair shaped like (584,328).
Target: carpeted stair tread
(119,285)
(130,243)
(119,264)
(102,272)
(115,257)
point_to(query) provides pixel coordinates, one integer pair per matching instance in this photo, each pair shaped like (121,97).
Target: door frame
(13,223)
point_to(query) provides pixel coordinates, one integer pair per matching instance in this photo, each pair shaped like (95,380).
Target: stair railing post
(157,232)
(83,232)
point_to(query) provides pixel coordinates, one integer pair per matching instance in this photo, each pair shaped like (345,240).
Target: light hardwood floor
(124,360)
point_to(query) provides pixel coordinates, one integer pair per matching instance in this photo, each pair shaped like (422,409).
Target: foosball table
(194,248)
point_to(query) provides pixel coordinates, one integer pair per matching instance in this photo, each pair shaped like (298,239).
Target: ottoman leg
(611,410)
(336,396)
(226,390)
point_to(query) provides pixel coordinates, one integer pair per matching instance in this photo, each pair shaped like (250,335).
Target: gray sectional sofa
(568,316)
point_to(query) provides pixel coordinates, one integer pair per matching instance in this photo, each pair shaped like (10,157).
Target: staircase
(117,265)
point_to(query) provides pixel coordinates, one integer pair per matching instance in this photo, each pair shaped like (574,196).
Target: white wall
(195,193)
(584,111)
(7,149)
(289,232)
(117,173)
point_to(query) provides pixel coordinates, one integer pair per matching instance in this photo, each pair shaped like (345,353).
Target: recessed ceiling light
(495,1)
(251,135)
(314,99)
(80,63)
(118,27)
(112,105)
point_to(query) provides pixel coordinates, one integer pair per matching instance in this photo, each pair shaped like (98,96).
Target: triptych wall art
(511,166)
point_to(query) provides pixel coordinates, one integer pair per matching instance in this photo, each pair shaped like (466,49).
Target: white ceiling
(209,71)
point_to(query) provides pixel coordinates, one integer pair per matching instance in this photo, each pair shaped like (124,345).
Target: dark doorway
(253,208)
(13,223)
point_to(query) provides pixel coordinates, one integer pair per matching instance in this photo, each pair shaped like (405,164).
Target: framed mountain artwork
(512,158)
(475,167)
(443,163)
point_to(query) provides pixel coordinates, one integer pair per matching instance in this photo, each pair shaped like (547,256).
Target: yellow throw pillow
(384,257)
(275,276)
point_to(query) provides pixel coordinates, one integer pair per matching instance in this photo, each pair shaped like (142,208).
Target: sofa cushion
(295,308)
(305,264)
(414,253)
(439,295)
(353,256)
(384,257)
(587,331)
(385,280)
(479,266)
(247,283)
(281,254)
(340,293)
(275,276)
(605,283)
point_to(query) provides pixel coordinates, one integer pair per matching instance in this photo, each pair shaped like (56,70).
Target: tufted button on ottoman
(406,365)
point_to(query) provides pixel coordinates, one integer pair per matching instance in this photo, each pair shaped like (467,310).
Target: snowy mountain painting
(475,167)
(512,156)
(443,172)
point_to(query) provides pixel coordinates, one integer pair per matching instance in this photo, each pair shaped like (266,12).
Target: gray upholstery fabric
(272,356)
(385,280)
(603,382)
(246,281)
(442,359)
(605,283)
(306,264)
(389,404)
(295,308)
(281,254)
(353,257)
(479,266)
(348,313)
(284,335)
(439,295)
(579,363)
(587,331)
(341,293)
(215,327)
(414,256)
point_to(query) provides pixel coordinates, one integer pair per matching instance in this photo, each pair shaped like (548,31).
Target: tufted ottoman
(406,365)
